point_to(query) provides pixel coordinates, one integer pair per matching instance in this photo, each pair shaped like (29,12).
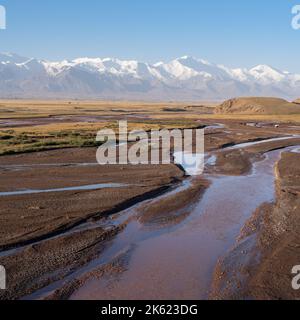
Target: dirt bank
(27,218)
(174,208)
(57,258)
(260,266)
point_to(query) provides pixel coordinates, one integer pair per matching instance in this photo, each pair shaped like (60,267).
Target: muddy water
(296,150)
(78,188)
(25,167)
(15,123)
(250,144)
(177,261)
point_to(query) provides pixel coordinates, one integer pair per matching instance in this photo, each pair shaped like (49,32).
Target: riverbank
(260,265)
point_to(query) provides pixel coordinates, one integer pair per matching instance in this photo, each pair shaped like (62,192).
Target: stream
(177,260)
(77,188)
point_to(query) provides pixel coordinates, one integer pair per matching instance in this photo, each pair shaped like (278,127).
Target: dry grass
(64,135)
(293,118)
(30,109)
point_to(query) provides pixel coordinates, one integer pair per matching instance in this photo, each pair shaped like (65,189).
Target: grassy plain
(28,125)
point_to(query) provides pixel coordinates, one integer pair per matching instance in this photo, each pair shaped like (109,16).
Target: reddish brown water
(178,261)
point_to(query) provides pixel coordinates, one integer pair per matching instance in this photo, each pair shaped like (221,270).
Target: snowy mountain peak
(191,59)
(266,73)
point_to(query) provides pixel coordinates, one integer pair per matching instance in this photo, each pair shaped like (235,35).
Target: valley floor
(150,232)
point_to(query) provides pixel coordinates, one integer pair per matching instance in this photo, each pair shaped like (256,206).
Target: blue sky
(232,32)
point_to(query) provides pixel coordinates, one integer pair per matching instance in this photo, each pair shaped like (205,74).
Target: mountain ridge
(185,78)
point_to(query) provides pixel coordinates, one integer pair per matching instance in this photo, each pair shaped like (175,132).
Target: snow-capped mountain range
(185,78)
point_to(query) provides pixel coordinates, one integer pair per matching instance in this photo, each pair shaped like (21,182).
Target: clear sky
(232,32)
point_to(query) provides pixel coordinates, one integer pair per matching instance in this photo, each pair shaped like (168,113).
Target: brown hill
(297,101)
(255,105)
